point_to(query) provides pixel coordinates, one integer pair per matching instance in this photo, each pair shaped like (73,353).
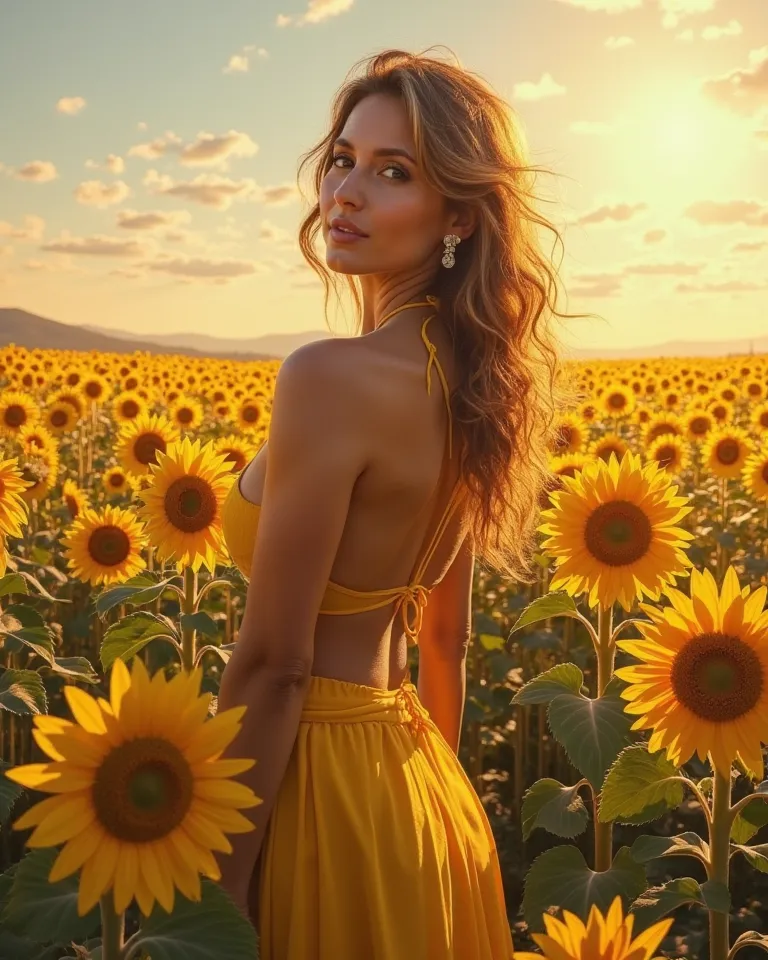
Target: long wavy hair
(498,301)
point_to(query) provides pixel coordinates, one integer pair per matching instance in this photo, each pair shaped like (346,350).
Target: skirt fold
(378,847)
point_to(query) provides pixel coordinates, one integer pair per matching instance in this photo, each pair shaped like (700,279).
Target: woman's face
(384,196)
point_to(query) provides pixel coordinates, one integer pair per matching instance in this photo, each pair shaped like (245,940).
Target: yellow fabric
(240,519)
(378,847)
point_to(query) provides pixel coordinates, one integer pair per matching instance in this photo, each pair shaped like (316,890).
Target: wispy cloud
(206,150)
(210,190)
(151,219)
(70,105)
(96,193)
(113,164)
(316,12)
(38,171)
(97,246)
(32,230)
(202,268)
(241,62)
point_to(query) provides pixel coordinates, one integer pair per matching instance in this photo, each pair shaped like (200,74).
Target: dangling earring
(450,241)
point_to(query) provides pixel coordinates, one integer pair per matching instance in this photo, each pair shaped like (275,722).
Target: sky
(149,151)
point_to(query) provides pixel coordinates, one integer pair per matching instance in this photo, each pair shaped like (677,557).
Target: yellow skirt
(378,847)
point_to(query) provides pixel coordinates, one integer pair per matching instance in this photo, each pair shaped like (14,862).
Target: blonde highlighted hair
(498,300)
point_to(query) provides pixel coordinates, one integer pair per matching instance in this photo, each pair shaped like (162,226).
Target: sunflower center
(130,408)
(142,790)
(717,677)
(184,415)
(58,418)
(618,533)
(190,504)
(116,480)
(15,415)
(764,418)
(617,401)
(251,413)
(666,455)
(699,425)
(146,446)
(93,388)
(728,451)
(109,545)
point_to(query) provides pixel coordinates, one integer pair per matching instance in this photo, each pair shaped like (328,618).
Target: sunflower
(617,400)
(17,409)
(73,398)
(570,434)
(726,451)
(13,508)
(607,444)
(105,546)
(759,418)
(139,442)
(251,412)
(606,937)
(698,423)
(75,499)
(60,417)
(702,684)
(40,469)
(182,504)
(236,449)
(660,425)
(128,406)
(613,532)
(95,388)
(186,413)
(141,798)
(115,480)
(755,474)
(670,452)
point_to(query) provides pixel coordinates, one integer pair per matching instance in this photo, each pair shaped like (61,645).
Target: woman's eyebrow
(381,152)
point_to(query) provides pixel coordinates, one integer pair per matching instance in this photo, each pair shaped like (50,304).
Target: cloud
(316,12)
(732,29)
(202,268)
(70,105)
(6,250)
(151,219)
(113,164)
(744,91)
(278,196)
(207,150)
(618,43)
(210,190)
(125,274)
(604,6)
(721,286)
(95,193)
(708,213)
(542,90)
(39,171)
(141,125)
(240,62)
(269,232)
(616,213)
(97,246)
(33,229)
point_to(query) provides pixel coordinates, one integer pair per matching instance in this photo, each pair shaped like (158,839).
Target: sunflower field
(616,709)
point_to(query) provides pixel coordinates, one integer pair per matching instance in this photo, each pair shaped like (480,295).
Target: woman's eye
(403,175)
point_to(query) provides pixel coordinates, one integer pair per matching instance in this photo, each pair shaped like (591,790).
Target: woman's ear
(464,221)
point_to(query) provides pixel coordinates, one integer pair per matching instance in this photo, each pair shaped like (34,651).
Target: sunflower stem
(112,929)
(606,655)
(719,844)
(188,634)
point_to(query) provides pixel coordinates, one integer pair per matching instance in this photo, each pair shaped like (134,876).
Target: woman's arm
(443,644)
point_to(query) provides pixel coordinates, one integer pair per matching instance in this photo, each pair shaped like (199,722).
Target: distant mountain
(273,344)
(28,330)
(31,331)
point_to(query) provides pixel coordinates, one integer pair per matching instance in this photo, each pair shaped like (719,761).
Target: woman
(375,494)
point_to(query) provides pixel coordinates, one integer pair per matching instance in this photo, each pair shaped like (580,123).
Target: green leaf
(491,641)
(77,667)
(43,911)
(557,604)
(563,678)
(200,621)
(22,691)
(143,588)
(657,902)
(208,930)
(9,792)
(26,626)
(128,637)
(749,820)
(685,844)
(636,781)
(554,807)
(757,855)
(40,589)
(593,732)
(12,583)
(561,878)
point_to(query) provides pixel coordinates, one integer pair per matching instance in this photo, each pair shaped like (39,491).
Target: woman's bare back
(395,503)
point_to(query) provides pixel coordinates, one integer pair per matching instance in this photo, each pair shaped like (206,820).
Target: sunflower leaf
(560,877)
(22,691)
(757,855)
(40,589)
(9,792)
(208,930)
(556,604)
(554,807)
(12,583)
(129,636)
(27,627)
(639,780)
(77,667)
(656,902)
(749,820)
(143,588)
(560,679)
(200,621)
(684,845)
(750,938)
(43,911)
(593,732)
